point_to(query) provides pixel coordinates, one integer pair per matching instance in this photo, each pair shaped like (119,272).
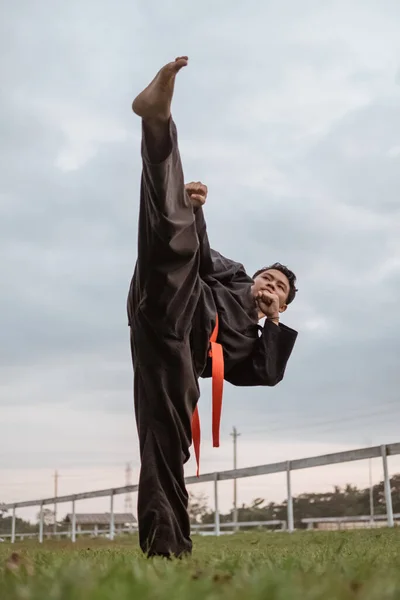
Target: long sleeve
(206,264)
(267,363)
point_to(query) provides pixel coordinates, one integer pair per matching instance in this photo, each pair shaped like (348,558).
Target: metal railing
(372,520)
(281,467)
(200,528)
(230,527)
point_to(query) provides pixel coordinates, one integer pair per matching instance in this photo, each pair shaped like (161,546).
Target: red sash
(217,356)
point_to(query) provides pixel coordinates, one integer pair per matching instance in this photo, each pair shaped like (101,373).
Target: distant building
(99,522)
(343,523)
(340,525)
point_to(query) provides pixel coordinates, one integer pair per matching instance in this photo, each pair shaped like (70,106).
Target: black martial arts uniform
(178,287)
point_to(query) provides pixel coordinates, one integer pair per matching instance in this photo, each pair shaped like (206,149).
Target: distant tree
(21,526)
(48,516)
(341,502)
(198,507)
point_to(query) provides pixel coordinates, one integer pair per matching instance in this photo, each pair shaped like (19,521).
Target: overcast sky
(290,113)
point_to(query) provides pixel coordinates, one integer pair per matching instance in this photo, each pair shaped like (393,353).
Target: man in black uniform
(179,291)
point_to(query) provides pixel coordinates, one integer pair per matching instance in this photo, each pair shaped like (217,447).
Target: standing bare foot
(154,103)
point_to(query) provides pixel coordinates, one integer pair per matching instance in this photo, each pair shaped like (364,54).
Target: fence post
(112,516)
(388,491)
(73,532)
(41,525)
(289,499)
(217,530)
(13,527)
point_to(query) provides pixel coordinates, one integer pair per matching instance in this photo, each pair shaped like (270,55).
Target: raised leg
(164,293)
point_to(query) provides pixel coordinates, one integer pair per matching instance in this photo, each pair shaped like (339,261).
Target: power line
(355,411)
(44,481)
(322,426)
(310,425)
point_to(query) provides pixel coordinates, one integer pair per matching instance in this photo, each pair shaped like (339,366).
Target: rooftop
(101,518)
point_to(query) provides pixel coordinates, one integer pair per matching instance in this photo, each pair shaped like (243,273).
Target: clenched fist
(197,193)
(268,303)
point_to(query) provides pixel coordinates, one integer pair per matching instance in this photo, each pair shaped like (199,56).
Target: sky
(290,113)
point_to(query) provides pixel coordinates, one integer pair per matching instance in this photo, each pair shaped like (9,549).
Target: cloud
(290,114)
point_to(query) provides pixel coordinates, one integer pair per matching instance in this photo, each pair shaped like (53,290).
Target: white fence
(201,529)
(337,523)
(281,467)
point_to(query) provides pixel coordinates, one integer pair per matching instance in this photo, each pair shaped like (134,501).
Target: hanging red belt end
(217,389)
(217,355)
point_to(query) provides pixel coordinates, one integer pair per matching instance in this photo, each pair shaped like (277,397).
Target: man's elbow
(272,379)
(257,377)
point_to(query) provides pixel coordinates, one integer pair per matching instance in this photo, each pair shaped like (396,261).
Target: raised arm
(197,193)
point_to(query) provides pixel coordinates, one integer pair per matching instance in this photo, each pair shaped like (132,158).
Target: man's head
(278,280)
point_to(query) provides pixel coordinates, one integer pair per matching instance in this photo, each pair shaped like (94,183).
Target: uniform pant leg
(163,298)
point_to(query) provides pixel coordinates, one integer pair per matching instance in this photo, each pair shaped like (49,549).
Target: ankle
(156,134)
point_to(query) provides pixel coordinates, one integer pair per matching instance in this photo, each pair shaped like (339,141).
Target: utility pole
(55,503)
(371,493)
(371,487)
(128,495)
(235,436)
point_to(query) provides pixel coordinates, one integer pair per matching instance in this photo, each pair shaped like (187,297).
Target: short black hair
(289,274)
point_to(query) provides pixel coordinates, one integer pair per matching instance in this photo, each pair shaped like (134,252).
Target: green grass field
(353,565)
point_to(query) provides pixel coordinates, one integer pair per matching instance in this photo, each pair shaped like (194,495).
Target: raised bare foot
(154,103)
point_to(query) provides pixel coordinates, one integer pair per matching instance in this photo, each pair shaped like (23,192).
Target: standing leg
(164,294)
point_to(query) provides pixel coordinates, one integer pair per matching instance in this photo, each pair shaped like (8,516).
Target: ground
(362,565)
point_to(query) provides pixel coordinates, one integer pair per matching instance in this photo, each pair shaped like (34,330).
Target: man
(182,295)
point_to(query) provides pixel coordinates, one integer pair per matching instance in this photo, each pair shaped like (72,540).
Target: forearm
(206,265)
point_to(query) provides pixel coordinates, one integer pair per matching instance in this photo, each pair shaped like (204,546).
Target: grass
(361,565)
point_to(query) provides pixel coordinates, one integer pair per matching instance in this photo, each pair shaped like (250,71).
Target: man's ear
(283,308)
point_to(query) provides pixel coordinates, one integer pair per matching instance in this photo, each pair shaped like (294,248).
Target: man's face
(275,282)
